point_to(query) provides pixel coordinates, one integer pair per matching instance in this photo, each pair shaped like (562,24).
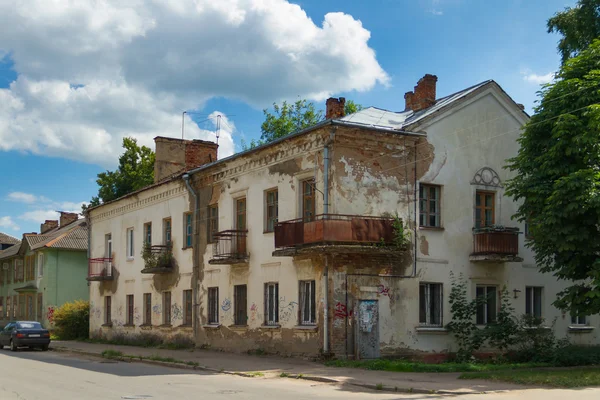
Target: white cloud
(538,79)
(22,197)
(91,73)
(7,222)
(39,216)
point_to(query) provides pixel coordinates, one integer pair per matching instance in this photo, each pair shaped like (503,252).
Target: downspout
(186,179)
(326,160)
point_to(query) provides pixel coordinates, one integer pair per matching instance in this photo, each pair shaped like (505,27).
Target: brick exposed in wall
(423,95)
(334,108)
(66,218)
(173,156)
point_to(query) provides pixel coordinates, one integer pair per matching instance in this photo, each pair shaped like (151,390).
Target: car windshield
(29,325)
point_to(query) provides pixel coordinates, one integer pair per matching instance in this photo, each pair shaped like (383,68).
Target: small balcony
(496,245)
(340,234)
(230,247)
(158,259)
(100,269)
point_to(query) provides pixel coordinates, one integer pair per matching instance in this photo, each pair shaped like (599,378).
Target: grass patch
(110,354)
(564,378)
(408,366)
(146,339)
(284,375)
(255,374)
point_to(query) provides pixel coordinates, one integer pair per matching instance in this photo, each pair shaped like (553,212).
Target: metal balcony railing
(100,268)
(229,247)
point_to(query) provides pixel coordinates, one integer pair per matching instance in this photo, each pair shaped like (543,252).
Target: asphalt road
(32,375)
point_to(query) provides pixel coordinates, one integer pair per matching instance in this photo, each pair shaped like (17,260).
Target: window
(213,305)
(239,300)
(271,200)
(129,319)
(167,231)
(147,308)
(107,310)
(430,304)
(485,208)
(40,307)
(212,223)
(8,307)
(487,307)
(166,308)
(187,307)
(579,319)
(308,199)
(271,303)
(29,268)
(21,306)
(41,264)
(19,270)
(307,303)
(187,224)
(15,304)
(1,307)
(429,206)
(148,233)
(29,307)
(108,245)
(240,214)
(533,301)
(6,269)
(130,244)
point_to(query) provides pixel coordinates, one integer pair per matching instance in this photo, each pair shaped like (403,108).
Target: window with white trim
(430,304)
(487,309)
(579,320)
(533,301)
(130,244)
(307,303)
(271,303)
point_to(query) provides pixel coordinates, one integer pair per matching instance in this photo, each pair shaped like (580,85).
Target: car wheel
(44,347)
(13,346)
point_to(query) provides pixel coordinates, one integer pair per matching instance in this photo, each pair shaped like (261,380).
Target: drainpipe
(326,159)
(186,179)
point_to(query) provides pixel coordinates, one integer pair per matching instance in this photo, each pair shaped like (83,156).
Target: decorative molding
(486,176)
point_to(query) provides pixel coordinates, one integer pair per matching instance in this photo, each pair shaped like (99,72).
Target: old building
(341,238)
(43,271)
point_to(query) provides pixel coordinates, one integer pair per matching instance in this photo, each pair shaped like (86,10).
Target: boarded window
(485,208)
(487,309)
(271,209)
(429,206)
(107,310)
(187,307)
(129,320)
(213,305)
(271,303)
(533,301)
(430,304)
(166,306)
(308,199)
(147,308)
(240,304)
(212,223)
(307,303)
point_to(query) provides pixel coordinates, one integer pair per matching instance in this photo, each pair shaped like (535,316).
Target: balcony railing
(335,229)
(158,259)
(100,269)
(495,244)
(229,247)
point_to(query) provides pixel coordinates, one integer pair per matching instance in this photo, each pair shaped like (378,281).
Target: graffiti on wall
(341,311)
(136,315)
(157,309)
(383,290)
(226,305)
(287,310)
(176,312)
(254,314)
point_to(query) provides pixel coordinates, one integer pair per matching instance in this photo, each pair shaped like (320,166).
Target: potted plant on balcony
(158,257)
(496,228)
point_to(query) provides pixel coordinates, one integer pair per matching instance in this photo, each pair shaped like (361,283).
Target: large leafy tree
(135,171)
(579,26)
(558,181)
(287,118)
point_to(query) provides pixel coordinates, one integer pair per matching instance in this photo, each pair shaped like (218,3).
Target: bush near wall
(72,320)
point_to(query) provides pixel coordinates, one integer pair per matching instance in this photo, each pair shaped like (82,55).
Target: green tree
(135,171)
(579,26)
(288,118)
(557,181)
(351,107)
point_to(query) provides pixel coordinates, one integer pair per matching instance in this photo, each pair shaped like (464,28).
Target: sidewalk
(274,366)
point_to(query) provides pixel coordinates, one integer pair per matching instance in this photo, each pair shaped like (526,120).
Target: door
(367,326)
(240,225)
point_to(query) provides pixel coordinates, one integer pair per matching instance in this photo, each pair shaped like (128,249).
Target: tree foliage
(288,118)
(557,181)
(351,107)
(135,171)
(579,26)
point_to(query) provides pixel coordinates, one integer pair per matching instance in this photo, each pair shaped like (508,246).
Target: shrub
(573,355)
(177,342)
(503,334)
(536,342)
(72,320)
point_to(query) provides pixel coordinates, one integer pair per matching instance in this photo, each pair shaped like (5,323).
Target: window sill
(166,326)
(580,328)
(431,228)
(186,248)
(211,326)
(107,325)
(129,326)
(185,326)
(238,327)
(267,232)
(146,326)
(439,330)
(533,328)
(129,259)
(309,328)
(270,327)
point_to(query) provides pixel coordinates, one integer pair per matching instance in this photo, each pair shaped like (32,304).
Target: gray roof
(11,251)
(7,239)
(72,237)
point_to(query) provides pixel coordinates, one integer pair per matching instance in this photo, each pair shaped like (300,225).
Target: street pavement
(33,375)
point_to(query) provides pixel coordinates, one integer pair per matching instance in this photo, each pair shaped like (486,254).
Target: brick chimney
(66,218)
(174,156)
(48,225)
(334,108)
(423,95)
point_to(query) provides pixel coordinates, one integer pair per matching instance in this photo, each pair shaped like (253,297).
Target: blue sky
(75,79)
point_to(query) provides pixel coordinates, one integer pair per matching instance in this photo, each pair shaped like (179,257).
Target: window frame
(212,222)
(130,244)
(482,208)
(271,207)
(307,304)
(486,308)
(167,231)
(8,307)
(148,233)
(530,296)
(129,317)
(188,306)
(240,305)
(429,293)
(424,211)
(40,264)
(213,305)
(188,232)
(40,307)
(147,308)
(1,307)
(107,310)
(166,308)
(576,320)
(308,215)
(241,214)
(271,304)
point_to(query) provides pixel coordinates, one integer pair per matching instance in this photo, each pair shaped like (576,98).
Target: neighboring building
(7,241)
(44,271)
(293,244)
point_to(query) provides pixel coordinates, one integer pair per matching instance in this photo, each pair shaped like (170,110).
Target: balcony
(337,234)
(230,247)
(496,245)
(100,269)
(158,259)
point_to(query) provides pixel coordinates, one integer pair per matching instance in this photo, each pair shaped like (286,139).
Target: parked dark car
(24,334)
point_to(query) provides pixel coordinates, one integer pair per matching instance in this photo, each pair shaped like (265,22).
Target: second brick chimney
(177,155)
(66,218)
(48,225)
(423,95)
(335,108)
